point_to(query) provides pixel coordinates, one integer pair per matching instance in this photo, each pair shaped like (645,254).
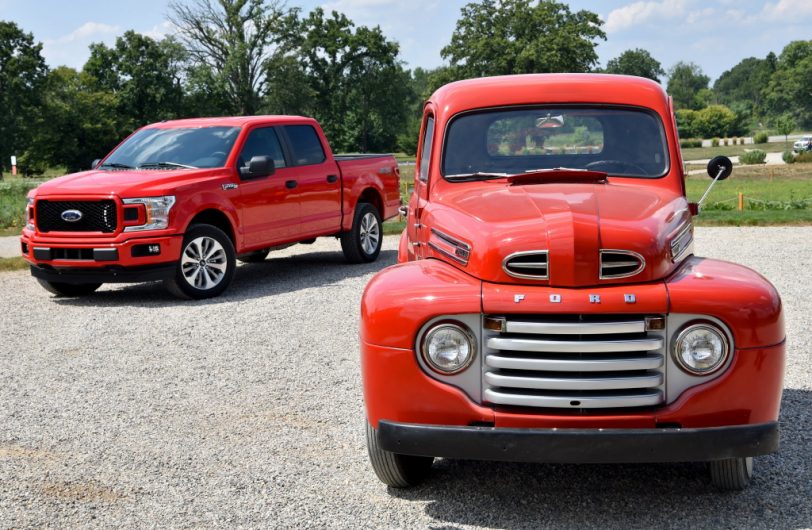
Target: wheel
(69,289)
(206,265)
(398,471)
(732,474)
(257,256)
(362,243)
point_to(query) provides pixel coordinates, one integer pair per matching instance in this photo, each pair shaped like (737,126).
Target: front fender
(191,205)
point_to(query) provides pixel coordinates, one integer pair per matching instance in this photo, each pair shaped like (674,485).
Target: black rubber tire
(351,241)
(257,256)
(178,286)
(69,289)
(733,474)
(397,471)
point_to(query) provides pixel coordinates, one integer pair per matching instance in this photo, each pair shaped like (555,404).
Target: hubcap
(370,233)
(203,263)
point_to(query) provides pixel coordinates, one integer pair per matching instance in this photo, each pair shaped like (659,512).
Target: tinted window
(618,141)
(262,142)
(305,144)
(425,152)
(199,147)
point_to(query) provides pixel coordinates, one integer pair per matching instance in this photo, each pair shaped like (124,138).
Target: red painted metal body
(261,213)
(573,221)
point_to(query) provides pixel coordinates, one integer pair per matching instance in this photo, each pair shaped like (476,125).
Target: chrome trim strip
(575,346)
(576,328)
(641,260)
(531,265)
(649,362)
(654,397)
(447,254)
(676,241)
(646,380)
(452,242)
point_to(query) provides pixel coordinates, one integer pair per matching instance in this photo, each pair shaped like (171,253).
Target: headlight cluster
(700,349)
(448,348)
(29,214)
(157,212)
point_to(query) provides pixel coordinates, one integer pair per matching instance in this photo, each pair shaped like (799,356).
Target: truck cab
(548,305)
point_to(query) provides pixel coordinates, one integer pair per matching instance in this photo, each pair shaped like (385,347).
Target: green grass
(12,264)
(701,153)
(13,194)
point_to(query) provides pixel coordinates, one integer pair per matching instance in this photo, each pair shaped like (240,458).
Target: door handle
(332,178)
(290,184)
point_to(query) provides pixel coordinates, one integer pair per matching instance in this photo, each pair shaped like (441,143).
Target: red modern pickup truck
(181,200)
(548,305)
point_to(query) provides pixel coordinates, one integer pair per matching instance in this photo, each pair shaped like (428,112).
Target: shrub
(804,158)
(715,142)
(756,156)
(741,141)
(715,120)
(690,142)
(788,156)
(761,138)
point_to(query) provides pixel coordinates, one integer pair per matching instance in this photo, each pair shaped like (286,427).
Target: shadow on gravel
(252,280)
(629,496)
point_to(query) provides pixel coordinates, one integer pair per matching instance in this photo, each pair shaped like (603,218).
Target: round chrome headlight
(700,349)
(448,348)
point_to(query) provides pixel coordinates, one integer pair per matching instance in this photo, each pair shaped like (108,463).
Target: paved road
(9,247)
(132,409)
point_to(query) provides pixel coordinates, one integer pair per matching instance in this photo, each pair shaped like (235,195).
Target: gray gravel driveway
(132,409)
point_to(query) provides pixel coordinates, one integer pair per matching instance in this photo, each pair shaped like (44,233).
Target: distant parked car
(803,144)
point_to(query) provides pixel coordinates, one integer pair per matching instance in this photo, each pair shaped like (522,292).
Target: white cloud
(161,30)
(72,49)
(637,13)
(787,9)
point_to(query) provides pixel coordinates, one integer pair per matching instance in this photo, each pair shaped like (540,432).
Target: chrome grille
(575,362)
(620,264)
(531,265)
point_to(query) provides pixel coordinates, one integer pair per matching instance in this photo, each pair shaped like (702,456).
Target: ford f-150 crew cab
(548,306)
(181,200)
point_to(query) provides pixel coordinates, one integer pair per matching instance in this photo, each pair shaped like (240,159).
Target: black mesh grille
(97,216)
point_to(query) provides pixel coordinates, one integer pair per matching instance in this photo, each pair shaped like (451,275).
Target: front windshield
(199,147)
(618,141)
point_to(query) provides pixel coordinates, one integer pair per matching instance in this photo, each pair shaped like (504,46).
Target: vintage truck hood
(573,222)
(135,183)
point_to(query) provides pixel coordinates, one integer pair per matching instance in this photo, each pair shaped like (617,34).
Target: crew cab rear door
(318,180)
(269,205)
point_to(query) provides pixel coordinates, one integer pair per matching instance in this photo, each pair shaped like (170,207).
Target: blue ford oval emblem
(71,216)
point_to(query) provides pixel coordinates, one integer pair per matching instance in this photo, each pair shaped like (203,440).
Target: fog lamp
(700,349)
(448,348)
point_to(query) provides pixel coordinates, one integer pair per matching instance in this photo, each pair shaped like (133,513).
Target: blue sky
(716,34)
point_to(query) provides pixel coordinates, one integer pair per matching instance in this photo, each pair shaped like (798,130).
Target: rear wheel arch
(371,196)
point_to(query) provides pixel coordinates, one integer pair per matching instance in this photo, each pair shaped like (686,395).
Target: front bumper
(111,274)
(579,446)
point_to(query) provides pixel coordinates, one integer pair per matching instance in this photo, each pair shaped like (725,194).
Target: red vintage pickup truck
(181,200)
(548,305)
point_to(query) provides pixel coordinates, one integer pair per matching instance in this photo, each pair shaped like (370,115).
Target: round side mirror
(720,167)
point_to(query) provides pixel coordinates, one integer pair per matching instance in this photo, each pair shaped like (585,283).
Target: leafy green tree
(22,75)
(744,84)
(637,62)
(714,120)
(144,74)
(76,123)
(686,123)
(358,88)
(784,125)
(790,87)
(498,37)
(234,38)
(685,81)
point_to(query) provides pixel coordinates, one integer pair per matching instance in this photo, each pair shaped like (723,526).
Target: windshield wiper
(116,165)
(479,175)
(166,164)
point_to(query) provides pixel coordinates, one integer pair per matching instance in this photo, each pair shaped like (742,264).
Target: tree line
(244,57)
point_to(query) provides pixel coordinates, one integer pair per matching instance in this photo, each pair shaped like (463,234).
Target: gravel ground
(132,409)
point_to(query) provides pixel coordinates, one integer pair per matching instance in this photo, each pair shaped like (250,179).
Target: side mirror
(719,168)
(259,166)
(95,163)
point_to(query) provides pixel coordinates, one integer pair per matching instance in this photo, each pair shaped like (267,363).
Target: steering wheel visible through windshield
(175,148)
(620,141)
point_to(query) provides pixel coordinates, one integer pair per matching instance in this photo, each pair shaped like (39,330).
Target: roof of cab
(230,121)
(540,89)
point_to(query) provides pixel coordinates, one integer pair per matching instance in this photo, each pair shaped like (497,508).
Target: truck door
(270,206)
(415,231)
(318,181)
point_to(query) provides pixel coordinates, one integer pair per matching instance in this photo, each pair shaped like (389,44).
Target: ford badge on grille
(71,216)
